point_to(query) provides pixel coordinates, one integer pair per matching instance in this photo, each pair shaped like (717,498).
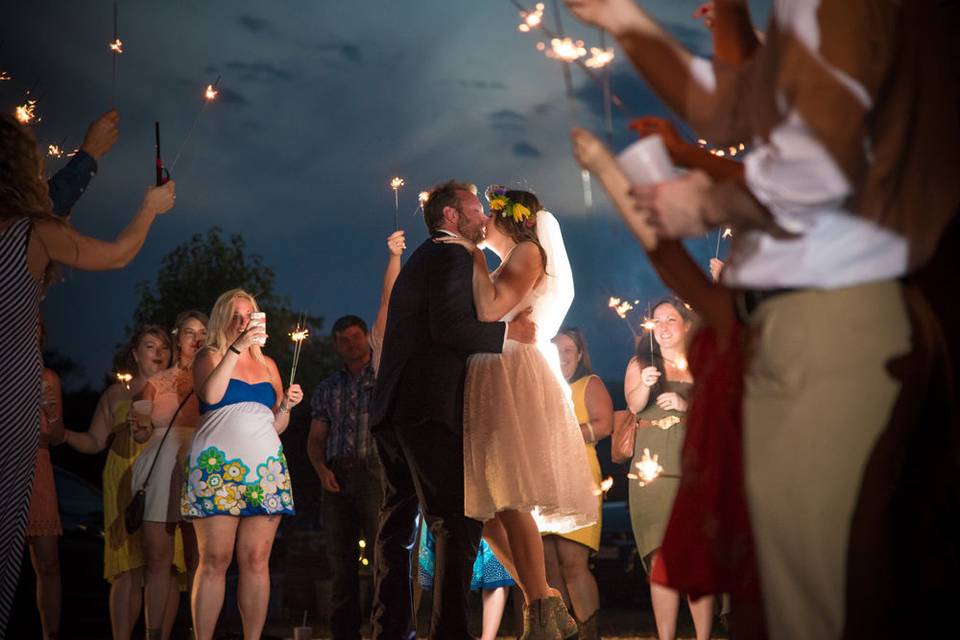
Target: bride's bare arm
(519,273)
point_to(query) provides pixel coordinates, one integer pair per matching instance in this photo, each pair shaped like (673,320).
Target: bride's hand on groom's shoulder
(463,242)
(522,328)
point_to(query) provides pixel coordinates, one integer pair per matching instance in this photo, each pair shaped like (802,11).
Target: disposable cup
(142,410)
(302,633)
(646,161)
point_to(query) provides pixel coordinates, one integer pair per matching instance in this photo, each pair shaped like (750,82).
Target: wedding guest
(43,522)
(342,452)
(855,202)
(159,467)
(489,577)
(237,484)
(396,244)
(657,387)
(70,182)
(147,353)
(32,240)
(567,555)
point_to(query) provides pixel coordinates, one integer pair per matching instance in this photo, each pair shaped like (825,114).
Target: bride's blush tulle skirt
(522,445)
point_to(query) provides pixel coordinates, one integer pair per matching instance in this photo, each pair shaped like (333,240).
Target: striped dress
(20,371)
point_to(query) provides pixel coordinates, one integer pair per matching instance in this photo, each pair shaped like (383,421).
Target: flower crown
(507,208)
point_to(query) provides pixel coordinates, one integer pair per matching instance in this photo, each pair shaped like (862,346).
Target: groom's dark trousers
(417,422)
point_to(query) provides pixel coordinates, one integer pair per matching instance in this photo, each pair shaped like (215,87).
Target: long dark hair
(653,357)
(522,231)
(584,367)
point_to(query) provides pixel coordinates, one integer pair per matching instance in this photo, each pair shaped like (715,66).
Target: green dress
(650,505)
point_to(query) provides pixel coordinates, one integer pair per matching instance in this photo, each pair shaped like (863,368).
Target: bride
(525,468)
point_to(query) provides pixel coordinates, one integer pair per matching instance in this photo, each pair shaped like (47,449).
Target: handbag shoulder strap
(163,439)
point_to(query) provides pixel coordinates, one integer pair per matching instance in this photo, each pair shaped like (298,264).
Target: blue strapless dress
(236,465)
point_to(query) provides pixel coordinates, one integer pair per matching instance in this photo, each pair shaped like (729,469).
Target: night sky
(321,103)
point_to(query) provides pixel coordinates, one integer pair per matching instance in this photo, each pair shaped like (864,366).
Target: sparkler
(599,57)
(396,184)
(621,308)
(116,48)
(531,19)
(604,486)
(681,363)
(4,76)
(26,113)
(125,379)
(298,335)
(726,232)
(209,95)
(648,468)
(649,324)
(54,151)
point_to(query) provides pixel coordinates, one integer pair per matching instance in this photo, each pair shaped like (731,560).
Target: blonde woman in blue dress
(237,484)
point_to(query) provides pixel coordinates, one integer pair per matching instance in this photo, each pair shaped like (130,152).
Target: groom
(417,417)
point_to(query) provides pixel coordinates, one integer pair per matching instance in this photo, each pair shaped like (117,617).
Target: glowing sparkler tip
(648,467)
(117,46)
(565,49)
(604,487)
(649,324)
(599,58)
(299,335)
(27,112)
(531,19)
(54,151)
(614,302)
(727,232)
(682,364)
(701,142)
(396,183)
(210,92)
(4,76)
(422,197)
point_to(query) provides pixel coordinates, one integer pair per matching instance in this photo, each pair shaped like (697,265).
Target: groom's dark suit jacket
(432,327)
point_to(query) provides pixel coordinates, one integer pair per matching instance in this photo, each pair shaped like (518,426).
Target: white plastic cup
(303,633)
(142,410)
(646,161)
(259,318)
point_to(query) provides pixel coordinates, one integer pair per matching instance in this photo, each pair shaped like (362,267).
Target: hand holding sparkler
(649,376)
(101,134)
(716,266)
(609,15)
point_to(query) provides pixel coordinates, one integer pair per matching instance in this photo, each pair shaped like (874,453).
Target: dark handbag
(624,436)
(133,514)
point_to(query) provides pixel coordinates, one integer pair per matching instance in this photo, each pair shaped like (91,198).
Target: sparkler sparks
(125,379)
(54,151)
(599,57)
(116,46)
(531,19)
(564,49)
(211,92)
(681,363)
(396,183)
(422,197)
(604,487)
(620,307)
(4,76)
(648,468)
(27,112)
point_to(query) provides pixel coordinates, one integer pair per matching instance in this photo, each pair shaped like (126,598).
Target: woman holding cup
(237,481)
(167,413)
(148,353)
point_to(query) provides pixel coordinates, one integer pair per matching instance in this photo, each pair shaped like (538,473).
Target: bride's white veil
(558,293)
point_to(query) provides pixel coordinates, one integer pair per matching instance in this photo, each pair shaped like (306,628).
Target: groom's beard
(473,233)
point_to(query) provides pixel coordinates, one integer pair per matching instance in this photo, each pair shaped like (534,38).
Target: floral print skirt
(236,465)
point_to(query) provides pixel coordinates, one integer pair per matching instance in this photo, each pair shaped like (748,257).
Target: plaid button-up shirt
(343,401)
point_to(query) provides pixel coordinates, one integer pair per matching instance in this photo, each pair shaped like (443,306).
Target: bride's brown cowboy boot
(566,625)
(540,621)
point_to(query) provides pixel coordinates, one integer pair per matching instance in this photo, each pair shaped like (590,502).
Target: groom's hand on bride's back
(522,328)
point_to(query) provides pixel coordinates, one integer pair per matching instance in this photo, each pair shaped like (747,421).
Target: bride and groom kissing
(470,415)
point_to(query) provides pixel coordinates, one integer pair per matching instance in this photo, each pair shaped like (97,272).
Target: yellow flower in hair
(498,203)
(520,212)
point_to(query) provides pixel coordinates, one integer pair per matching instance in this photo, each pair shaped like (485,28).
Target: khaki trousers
(819,394)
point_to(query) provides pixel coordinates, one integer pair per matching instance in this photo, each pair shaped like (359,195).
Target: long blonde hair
(220,318)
